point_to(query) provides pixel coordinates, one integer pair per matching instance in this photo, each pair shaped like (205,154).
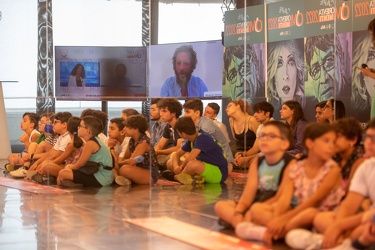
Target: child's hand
(178,170)
(276,227)
(69,166)
(368,215)
(331,236)
(24,137)
(111,143)
(240,161)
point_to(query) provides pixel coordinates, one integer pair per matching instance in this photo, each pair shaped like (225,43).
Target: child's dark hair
(63,116)
(33,117)
(315,130)
(102,116)
(185,125)
(194,104)
(119,123)
(86,112)
(73,124)
(215,107)
(94,124)
(129,112)
(264,106)
(137,122)
(155,101)
(283,129)
(349,128)
(173,105)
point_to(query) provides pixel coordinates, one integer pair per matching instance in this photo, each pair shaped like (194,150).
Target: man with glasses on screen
(326,67)
(241,71)
(184,84)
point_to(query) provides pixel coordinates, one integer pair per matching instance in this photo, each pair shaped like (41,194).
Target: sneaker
(168,175)
(70,184)
(38,178)
(19,173)
(303,239)
(250,231)
(9,167)
(44,180)
(122,181)
(187,179)
(224,224)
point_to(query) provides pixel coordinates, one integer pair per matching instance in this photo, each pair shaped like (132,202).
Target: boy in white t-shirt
(117,142)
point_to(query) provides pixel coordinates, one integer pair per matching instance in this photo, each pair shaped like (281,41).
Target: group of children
(327,188)
(286,198)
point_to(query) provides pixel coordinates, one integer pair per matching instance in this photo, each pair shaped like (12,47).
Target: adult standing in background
(184,84)
(363,96)
(77,76)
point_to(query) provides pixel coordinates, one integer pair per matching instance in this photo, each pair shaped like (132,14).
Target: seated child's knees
(124,170)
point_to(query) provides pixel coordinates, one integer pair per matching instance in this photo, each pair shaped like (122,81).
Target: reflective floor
(89,218)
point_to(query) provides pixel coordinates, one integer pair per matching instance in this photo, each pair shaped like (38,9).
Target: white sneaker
(19,173)
(122,181)
(303,239)
(250,231)
(345,245)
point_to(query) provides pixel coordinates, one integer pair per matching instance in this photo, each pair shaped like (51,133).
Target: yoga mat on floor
(193,235)
(31,187)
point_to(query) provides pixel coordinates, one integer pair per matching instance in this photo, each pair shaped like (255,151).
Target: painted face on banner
(286,75)
(241,83)
(322,70)
(369,82)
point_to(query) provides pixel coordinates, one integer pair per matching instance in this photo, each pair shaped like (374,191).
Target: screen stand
(5,149)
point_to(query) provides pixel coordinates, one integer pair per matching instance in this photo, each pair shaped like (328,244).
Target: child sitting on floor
(206,161)
(140,159)
(49,170)
(264,175)
(347,221)
(94,151)
(313,184)
(117,142)
(29,126)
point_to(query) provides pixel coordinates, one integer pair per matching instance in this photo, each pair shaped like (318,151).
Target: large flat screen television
(208,69)
(100,73)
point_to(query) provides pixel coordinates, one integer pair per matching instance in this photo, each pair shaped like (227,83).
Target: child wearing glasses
(264,175)
(310,185)
(49,170)
(346,225)
(94,152)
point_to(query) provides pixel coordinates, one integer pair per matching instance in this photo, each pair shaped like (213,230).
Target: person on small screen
(120,78)
(77,76)
(184,84)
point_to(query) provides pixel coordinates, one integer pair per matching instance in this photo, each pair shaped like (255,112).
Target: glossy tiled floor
(89,218)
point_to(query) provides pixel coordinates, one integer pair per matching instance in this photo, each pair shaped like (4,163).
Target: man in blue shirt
(184,84)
